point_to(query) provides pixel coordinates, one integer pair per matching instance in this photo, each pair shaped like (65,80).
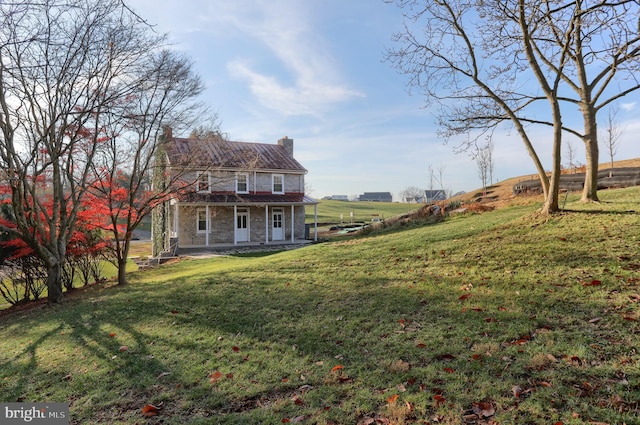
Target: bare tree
(570,148)
(472,66)
(63,63)
(476,58)
(599,45)
(611,137)
(411,193)
(121,171)
(483,155)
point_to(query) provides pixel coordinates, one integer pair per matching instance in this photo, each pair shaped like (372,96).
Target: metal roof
(227,154)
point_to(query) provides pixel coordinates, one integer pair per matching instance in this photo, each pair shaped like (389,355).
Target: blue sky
(313,71)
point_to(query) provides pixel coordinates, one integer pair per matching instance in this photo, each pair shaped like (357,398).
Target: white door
(277,223)
(242,226)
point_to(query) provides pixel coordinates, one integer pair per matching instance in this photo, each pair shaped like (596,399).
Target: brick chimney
(287,144)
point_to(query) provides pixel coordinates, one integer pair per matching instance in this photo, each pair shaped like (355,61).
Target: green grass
(444,317)
(331,211)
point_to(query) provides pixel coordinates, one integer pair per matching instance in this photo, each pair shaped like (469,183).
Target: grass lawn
(505,317)
(336,212)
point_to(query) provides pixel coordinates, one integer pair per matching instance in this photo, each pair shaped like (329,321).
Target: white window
(203,182)
(242,183)
(277,183)
(202,221)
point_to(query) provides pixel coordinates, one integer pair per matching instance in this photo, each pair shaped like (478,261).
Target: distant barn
(376,197)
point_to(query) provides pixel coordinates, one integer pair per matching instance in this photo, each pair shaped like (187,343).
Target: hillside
(501,194)
(502,317)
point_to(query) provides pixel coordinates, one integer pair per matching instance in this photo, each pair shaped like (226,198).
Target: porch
(241,248)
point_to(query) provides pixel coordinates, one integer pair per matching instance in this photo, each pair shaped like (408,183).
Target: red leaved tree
(122,170)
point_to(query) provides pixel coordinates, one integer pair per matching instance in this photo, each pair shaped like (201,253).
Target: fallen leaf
(393,399)
(215,376)
(464,296)
(517,390)
(163,374)
(123,348)
(112,334)
(445,357)
(150,410)
(483,409)
(449,370)
(337,368)
(439,399)
(236,349)
(594,282)
(229,375)
(174,311)
(629,318)
(421,345)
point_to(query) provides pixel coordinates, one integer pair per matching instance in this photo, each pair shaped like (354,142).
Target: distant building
(339,198)
(431,196)
(376,197)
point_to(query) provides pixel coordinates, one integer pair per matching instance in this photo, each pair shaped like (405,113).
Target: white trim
(273,184)
(206,235)
(246,175)
(206,221)
(198,181)
(281,236)
(238,212)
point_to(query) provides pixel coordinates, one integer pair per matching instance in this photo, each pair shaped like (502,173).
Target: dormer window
(203,184)
(242,183)
(277,183)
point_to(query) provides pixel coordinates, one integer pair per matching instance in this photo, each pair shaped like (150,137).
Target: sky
(314,70)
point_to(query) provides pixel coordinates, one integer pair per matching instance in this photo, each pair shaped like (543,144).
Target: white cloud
(311,79)
(628,106)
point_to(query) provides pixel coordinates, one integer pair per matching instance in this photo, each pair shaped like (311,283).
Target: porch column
(315,222)
(293,224)
(266,224)
(235,223)
(206,235)
(176,222)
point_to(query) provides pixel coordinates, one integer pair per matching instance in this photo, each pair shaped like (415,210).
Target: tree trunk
(551,203)
(54,283)
(590,191)
(122,271)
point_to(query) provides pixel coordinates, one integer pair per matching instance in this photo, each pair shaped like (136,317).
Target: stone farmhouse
(242,194)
